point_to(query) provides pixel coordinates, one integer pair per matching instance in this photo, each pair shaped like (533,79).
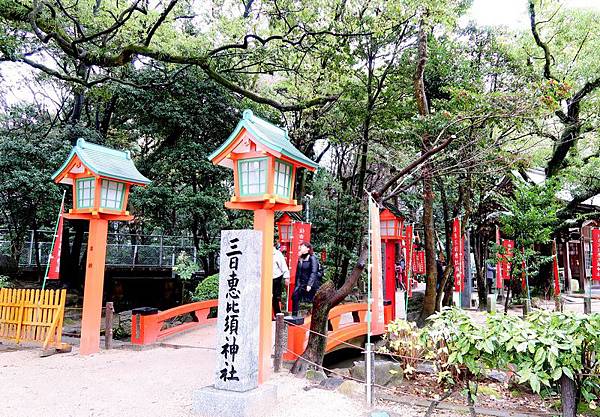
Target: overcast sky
(511,13)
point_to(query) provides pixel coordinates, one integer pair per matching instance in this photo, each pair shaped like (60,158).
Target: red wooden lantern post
(264,164)
(101,179)
(285,224)
(391,234)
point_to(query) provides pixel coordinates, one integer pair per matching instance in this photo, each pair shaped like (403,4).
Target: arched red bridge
(347,324)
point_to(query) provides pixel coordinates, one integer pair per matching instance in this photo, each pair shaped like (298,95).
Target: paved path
(200,337)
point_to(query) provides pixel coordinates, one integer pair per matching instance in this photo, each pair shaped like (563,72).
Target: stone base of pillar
(210,401)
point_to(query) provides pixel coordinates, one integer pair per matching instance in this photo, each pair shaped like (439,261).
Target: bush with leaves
(5,282)
(544,350)
(185,266)
(403,340)
(208,289)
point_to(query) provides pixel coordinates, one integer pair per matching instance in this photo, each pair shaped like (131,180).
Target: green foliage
(185,266)
(336,217)
(530,219)
(539,349)
(30,151)
(402,338)
(208,289)
(176,135)
(5,282)
(531,213)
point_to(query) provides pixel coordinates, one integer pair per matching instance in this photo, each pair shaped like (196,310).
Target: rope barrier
(394,391)
(360,381)
(382,387)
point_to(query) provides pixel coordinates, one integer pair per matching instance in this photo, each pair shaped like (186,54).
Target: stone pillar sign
(237,323)
(236,391)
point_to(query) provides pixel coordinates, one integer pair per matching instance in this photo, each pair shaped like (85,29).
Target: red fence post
(144,325)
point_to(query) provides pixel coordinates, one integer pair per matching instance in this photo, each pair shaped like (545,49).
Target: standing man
(280,272)
(490,275)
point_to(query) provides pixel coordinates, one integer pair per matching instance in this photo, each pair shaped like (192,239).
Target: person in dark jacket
(307,277)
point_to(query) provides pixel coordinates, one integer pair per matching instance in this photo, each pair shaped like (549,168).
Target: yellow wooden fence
(32,315)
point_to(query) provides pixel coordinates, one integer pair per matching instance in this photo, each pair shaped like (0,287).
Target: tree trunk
(481,270)
(315,349)
(428,197)
(429,303)
(325,299)
(568,396)
(510,281)
(441,299)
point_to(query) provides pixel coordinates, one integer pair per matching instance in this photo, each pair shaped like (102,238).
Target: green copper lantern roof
(267,134)
(105,162)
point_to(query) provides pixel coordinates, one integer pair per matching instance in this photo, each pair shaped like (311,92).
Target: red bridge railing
(346,322)
(148,324)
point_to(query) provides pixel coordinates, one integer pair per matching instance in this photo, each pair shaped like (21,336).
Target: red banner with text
(509,246)
(409,258)
(457,256)
(419,262)
(595,254)
(555,269)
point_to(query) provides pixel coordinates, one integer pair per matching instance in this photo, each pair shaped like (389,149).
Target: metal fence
(122,249)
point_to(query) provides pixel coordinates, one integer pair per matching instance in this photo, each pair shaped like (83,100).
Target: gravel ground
(157,382)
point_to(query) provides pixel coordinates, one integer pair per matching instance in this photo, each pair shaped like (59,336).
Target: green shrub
(403,338)
(5,282)
(208,289)
(540,349)
(185,266)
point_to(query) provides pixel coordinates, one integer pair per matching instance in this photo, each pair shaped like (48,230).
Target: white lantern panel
(111,195)
(253,176)
(86,190)
(283,179)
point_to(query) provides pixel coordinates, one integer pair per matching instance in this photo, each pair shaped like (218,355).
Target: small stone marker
(574,287)
(456,299)
(491,303)
(400,305)
(237,323)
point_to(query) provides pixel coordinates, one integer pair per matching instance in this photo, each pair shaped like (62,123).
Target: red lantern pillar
(390,274)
